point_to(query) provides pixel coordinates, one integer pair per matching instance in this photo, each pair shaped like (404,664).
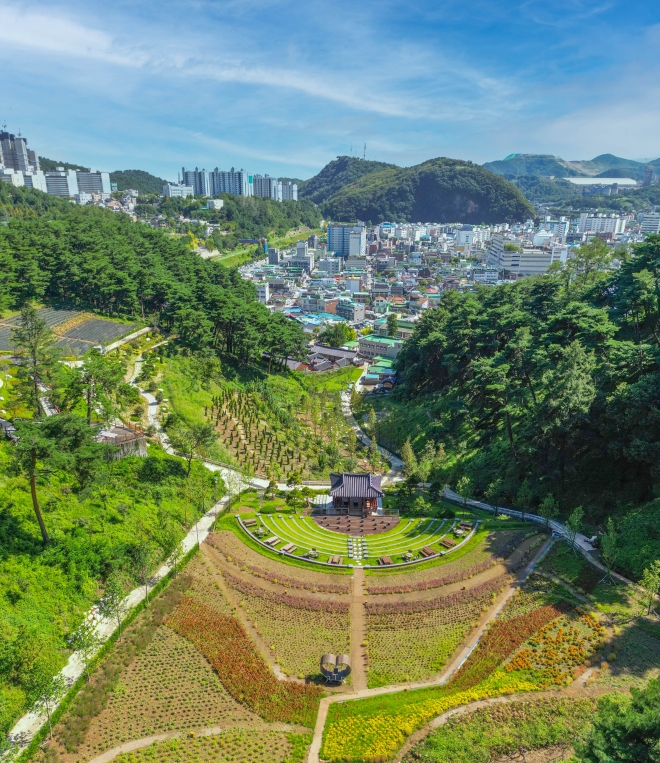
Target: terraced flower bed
(230,541)
(374,729)
(170,686)
(634,658)
(510,729)
(413,640)
(205,587)
(298,629)
(242,670)
(492,550)
(234,746)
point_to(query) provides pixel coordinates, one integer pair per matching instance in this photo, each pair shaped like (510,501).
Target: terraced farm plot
(242,556)
(305,534)
(50,316)
(91,333)
(298,628)
(482,552)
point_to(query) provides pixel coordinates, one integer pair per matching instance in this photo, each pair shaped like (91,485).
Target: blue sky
(284,87)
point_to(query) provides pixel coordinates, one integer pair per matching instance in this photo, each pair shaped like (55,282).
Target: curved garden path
(138,744)
(459,658)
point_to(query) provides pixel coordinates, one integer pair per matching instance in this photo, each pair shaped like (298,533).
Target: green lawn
(409,535)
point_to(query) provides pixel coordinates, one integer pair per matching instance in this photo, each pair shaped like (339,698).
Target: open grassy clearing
(230,524)
(409,535)
(502,730)
(234,746)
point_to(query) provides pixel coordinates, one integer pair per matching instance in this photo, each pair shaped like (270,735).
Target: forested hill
(337,174)
(92,258)
(440,189)
(547,389)
(139,180)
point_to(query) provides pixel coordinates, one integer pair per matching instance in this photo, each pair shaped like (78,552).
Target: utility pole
(364,155)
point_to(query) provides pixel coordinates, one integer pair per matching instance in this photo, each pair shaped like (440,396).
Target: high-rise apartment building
(234,181)
(289,191)
(267,187)
(15,155)
(347,240)
(197,179)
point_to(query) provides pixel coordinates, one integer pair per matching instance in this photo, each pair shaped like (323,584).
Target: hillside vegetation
(91,258)
(544,393)
(440,189)
(245,217)
(141,181)
(337,174)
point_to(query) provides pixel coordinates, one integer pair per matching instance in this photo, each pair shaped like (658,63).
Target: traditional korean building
(356,494)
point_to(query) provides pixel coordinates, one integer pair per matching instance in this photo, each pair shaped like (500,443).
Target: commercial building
(331,265)
(263,292)
(62,182)
(273,256)
(533,262)
(93,182)
(372,345)
(350,311)
(178,191)
(347,240)
(601,224)
(651,222)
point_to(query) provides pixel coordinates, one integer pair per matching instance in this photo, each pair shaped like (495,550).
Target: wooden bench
(466,525)
(249,522)
(289,548)
(447,543)
(427,551)
(336,560)
(272,540)
(385,560)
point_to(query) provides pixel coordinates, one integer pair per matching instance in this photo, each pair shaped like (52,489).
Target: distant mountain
(141,181)
(339,173)
(439,189)
(544,165)
(547,165)
(50,165)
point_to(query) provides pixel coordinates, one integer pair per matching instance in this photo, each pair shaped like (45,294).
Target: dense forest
(91,258)
(440,189)
(546,392)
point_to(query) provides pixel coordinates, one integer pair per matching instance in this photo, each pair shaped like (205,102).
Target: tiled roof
(355,485)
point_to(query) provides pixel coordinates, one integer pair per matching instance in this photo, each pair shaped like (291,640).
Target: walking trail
(358,632)
(459,658)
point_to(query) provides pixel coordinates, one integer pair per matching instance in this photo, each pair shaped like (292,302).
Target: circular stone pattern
(357,525)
